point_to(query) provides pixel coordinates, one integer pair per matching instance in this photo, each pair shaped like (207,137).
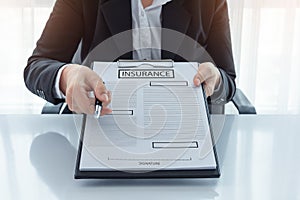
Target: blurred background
(266,45)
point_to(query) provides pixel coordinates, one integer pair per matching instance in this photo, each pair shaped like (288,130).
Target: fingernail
(105,97)
(197,82)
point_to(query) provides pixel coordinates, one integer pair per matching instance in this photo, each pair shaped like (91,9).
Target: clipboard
(97,167)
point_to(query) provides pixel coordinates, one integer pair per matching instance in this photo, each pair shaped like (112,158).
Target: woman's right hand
(76,82)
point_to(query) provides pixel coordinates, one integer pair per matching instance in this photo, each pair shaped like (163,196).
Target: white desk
(259,158)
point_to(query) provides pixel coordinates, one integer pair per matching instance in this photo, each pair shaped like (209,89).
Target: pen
(98,105)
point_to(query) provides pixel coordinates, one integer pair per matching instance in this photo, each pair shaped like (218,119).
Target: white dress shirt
(146,34)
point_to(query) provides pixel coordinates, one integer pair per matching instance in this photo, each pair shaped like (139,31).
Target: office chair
(240,101)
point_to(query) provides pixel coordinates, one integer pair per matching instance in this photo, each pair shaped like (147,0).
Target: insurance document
(159,120)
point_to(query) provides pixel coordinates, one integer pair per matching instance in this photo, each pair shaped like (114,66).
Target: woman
(81,24)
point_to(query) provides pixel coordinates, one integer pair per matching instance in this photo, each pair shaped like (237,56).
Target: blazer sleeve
(55,48)
(220,49)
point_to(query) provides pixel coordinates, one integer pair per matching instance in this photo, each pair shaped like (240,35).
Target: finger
(92,78)
(92,106)
(109,99)
(81,103)
(200,78)
(101,92)
(86,105)
(197,80)
(202,74)
(105,111)
(208,89)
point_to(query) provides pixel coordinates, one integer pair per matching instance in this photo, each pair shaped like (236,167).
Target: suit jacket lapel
(117,14)
(114,17)
(174,19)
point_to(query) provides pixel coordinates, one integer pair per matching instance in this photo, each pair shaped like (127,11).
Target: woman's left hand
(209,75)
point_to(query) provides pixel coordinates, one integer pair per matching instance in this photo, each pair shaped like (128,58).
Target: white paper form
(159,120)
